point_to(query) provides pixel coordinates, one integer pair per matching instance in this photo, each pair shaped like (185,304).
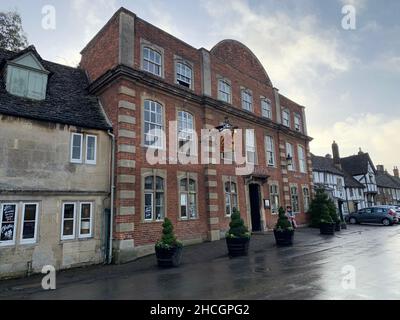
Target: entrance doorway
(254,196)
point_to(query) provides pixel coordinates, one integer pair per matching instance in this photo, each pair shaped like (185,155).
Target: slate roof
(67,99)
(324,164)
(357,164)
(351,182)
(385,180)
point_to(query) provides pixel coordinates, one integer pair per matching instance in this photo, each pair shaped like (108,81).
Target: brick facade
(122,86)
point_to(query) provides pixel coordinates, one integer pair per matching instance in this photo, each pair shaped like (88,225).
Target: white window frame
(34,239)
(270,150)
(251,148)
(9,242)
(286,122)
(184,68)
(152,205)
(306,204)
(297,123)
(267,111)
(221,93)
(160,65)
(160,142)
(153,193)
(290,147)
(90,234)
(247,100)
(187,131)
(295,195)
(72,160)
(231,196)
(187,193)
(87,149)
(301,151)
(68,237)
(275,196)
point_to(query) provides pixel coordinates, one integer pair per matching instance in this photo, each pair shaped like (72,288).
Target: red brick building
(146,78)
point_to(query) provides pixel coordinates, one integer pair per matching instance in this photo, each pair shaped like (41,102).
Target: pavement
(362,262)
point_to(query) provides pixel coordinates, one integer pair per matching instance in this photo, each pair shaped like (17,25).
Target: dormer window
(26,77)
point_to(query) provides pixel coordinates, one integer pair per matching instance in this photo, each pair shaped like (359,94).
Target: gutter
(112,191)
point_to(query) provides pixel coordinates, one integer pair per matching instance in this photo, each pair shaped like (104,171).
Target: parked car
(385,215)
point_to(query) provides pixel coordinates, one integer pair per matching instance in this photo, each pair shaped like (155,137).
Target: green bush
(283,222)
(325,216)
(168,239)
(237,227)
(322,209)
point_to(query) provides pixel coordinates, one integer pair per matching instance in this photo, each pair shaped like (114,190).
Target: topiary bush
(168,239)
(283,222)
(325,216)
(333,211)
(322,208)
(237,227)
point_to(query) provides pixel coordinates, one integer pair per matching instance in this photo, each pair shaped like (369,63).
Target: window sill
(186,220)
(10,244)
(152,221)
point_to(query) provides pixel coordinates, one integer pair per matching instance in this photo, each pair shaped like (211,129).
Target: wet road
(362,262)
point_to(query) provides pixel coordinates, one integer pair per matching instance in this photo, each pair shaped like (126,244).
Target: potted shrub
(238,236)
(343,225)
(326,224)
(333,213)
(283,230)
(168,249)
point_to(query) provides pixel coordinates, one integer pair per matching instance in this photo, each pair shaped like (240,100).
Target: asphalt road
(362,262)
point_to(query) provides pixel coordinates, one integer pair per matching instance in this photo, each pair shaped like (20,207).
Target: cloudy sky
(349,80)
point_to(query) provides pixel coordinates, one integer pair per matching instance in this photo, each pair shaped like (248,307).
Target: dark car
(385,215)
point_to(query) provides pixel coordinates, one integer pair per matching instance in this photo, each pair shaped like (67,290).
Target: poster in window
(147,213)
(8,217)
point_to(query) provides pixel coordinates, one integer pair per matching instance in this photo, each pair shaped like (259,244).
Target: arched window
(186,143)
(152,61)
(183,74)
(188,198)
(231,198)
(154,204)
(153,124)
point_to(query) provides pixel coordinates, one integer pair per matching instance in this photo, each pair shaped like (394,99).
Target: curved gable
(241,58)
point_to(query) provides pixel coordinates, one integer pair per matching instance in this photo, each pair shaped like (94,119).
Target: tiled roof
(324,164)
(385,180)
(67,100)
(357,164)
(351,182)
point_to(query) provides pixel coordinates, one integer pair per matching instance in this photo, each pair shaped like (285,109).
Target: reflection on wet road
(362,262)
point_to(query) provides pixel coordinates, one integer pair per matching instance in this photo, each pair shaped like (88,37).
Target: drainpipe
(110,236)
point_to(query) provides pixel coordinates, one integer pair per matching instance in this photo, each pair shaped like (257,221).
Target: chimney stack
(396,172)
(336,155)
(380,168)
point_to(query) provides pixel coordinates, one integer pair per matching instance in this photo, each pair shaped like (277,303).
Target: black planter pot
(343,226)
(327,228)
(284,238)
(169,257)
(337,226)
(237,246)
